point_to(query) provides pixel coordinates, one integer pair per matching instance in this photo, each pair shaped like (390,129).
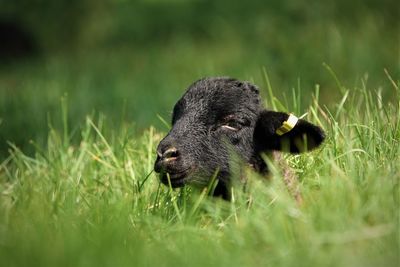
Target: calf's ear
(284,132)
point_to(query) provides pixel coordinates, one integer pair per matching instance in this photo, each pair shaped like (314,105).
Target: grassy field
(88,197)
(79,126)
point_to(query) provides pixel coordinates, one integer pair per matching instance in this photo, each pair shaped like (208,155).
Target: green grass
(89,198)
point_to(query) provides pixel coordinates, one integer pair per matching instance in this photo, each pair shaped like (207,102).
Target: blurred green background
(131,60)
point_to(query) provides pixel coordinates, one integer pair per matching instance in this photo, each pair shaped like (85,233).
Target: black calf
(218,117)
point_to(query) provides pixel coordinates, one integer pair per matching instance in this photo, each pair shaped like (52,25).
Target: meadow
(100,203)
(81,119)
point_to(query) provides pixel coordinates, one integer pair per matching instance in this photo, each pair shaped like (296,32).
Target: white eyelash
(229,127)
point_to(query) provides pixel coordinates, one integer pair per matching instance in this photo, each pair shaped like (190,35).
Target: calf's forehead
(221,94)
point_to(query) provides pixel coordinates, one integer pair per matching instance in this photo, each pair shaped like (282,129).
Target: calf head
(218,117)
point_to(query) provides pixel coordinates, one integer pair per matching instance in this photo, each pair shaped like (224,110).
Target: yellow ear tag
(287,125)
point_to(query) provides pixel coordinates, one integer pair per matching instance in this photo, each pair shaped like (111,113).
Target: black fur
(219,117)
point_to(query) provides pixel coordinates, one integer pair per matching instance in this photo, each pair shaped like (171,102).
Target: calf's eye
(231,125)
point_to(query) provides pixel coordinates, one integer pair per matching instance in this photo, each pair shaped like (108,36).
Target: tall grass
(99,203)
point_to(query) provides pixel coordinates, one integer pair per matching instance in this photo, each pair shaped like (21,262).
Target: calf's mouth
(177,179)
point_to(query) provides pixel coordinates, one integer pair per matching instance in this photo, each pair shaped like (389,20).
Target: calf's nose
(165,156)
(169,154)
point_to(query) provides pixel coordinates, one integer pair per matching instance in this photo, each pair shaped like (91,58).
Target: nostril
(165,159)
(170,154)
